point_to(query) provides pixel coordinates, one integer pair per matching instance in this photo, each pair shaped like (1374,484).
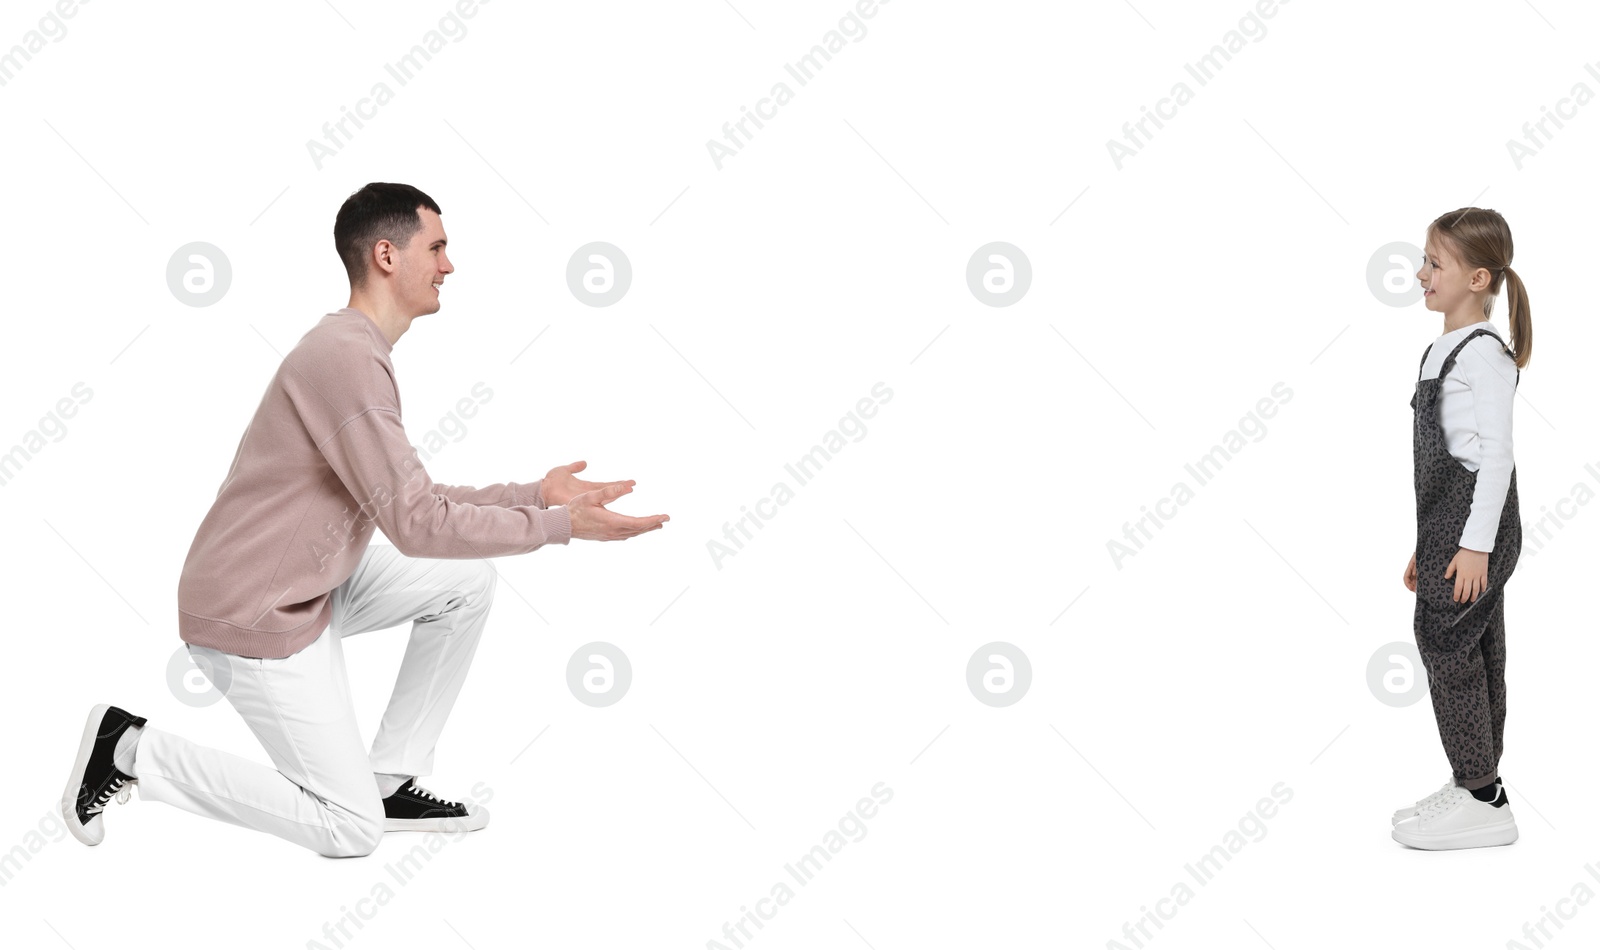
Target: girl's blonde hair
(1480,237)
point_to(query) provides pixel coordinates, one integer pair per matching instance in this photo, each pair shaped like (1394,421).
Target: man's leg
(320,795)
(447,603)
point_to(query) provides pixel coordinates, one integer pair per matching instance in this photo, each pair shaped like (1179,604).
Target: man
(281,570)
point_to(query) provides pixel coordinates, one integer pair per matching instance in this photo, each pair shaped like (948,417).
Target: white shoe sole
(470,823)
(69,798)
(1490,836)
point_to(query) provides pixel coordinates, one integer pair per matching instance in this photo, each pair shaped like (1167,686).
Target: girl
(1469,532)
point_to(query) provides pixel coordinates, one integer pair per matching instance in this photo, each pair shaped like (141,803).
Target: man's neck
(389,322)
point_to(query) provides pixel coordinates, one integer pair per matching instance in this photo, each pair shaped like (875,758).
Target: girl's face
(1447,284)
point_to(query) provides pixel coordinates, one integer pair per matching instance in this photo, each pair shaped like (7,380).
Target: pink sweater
(323,459)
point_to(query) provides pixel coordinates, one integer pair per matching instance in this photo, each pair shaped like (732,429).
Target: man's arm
(348,401)
(379,466)
(505,494)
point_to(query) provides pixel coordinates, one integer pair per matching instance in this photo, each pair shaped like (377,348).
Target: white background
(768,297)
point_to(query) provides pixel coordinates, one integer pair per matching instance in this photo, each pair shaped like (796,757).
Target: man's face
(421,264)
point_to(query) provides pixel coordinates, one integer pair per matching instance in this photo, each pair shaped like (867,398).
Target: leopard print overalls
(1466,662)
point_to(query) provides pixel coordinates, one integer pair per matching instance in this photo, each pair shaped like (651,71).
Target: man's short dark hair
(379,211)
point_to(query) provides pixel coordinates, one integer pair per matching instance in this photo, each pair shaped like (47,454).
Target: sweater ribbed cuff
(557,525)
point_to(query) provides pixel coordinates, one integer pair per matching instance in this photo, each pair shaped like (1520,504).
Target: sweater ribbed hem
(241,641)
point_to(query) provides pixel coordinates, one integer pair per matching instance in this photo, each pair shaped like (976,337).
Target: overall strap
(1450,361)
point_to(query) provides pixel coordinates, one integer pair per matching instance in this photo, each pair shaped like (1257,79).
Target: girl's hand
(1471,571)
(1410,577)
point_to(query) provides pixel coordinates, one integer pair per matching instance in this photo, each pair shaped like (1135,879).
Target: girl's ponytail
(1521,318)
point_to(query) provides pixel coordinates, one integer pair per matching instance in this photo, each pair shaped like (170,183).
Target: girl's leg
(1494,661)
(1458,684)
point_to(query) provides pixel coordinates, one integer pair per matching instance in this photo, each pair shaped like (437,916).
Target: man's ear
(383,256)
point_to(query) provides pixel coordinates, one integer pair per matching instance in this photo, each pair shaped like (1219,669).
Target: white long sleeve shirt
(1475,403)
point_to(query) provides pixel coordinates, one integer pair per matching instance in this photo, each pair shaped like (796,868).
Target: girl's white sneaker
(1454,819)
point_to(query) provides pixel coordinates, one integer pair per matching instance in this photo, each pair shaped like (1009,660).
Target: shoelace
(427,794)
(1435,797)
(1443,802)
(120,786)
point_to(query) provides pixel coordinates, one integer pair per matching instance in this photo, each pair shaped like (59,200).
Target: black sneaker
(414,808)
(94,777)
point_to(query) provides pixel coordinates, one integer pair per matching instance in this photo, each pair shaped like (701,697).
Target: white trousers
(323,795)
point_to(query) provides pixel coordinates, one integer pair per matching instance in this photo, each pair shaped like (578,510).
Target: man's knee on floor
(354,834)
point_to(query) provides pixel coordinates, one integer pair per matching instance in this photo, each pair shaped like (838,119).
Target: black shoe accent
(101,778)
(1492,794)
(411,802)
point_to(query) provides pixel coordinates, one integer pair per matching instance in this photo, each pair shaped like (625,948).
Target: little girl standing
(1469,530)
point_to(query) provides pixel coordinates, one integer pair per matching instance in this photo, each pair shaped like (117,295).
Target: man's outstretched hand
(592,522)
(560,485)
